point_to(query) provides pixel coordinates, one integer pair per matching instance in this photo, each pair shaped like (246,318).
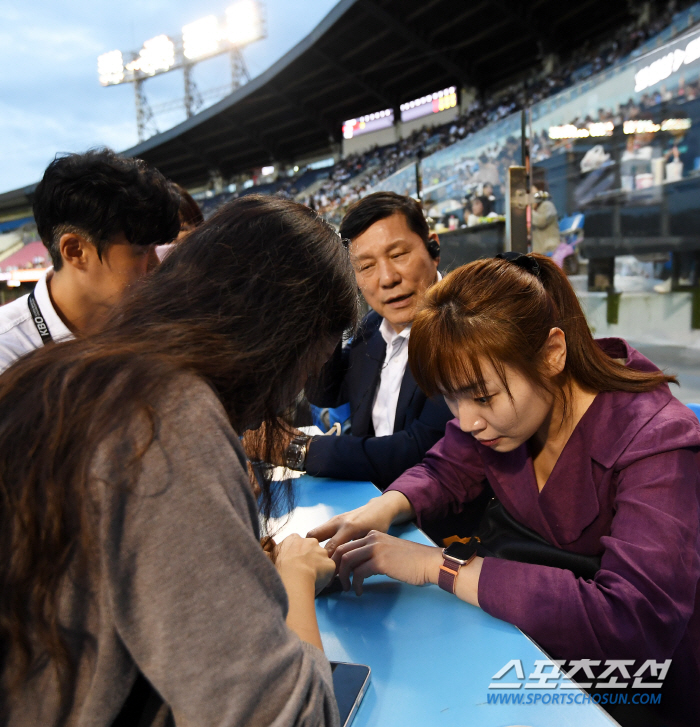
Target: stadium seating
(31,255)
(337,187)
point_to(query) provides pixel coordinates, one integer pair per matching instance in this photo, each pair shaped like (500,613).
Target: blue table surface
(432,656)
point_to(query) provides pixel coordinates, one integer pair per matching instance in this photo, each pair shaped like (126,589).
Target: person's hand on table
(303,559)
(380,513)
(361,547)
(381,554)
(305,569)
(413,563)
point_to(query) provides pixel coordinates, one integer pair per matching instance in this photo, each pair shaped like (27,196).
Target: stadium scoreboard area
(430,104)
(366,124)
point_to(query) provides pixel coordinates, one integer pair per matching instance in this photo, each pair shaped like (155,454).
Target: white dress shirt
(395,360)
(18,333)
(393,369)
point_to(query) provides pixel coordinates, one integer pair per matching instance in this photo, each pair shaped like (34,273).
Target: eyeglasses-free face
(393,269)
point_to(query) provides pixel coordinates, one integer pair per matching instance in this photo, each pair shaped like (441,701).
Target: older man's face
(393,269)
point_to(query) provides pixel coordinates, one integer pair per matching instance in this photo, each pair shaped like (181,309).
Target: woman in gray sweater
(133,585)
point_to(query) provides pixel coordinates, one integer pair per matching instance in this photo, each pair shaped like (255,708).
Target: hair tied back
(526,262)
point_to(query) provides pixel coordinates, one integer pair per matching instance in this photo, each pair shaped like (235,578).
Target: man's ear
(75,250)
(434,247)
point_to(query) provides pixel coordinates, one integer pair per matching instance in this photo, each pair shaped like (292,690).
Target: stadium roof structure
(365,56)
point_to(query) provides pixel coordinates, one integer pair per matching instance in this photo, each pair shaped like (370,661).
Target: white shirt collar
(389,334)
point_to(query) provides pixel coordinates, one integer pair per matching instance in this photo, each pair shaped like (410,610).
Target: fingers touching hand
(382,554)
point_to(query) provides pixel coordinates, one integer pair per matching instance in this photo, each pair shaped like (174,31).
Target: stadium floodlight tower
(242,24)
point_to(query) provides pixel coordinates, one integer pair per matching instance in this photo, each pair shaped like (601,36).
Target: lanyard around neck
(39,322)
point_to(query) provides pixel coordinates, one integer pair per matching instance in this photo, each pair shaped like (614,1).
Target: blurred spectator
(488,194)
(476,211)
(545,224)
(189,214)
(487,172)
(480,211)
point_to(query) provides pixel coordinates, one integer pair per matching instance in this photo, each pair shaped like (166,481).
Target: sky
(50,97)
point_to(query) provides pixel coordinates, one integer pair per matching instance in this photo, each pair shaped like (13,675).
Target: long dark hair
(243,303)
(495,310)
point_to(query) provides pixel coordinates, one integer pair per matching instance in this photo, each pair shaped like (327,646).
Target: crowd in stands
(352,176)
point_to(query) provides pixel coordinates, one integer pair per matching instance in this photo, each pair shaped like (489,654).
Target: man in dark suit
(393,422)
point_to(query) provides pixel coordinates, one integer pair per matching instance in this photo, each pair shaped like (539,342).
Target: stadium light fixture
(201,38)
(205,38)
(110,68)
(157,55)
(594,129)
(647,126)
(243,22)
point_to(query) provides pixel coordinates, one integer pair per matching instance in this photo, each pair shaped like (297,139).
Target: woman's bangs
(458,370)
(441,359)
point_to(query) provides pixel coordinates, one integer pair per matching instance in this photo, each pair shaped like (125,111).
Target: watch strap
(449,569)
(447,577)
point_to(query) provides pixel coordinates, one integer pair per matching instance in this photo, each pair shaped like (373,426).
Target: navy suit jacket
(352,375)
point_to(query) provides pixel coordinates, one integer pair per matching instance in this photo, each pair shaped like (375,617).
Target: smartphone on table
(350,682)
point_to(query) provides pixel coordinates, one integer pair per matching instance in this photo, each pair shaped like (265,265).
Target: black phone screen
(349,683)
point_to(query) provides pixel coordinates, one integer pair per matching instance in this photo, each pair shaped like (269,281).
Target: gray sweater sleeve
(196,603)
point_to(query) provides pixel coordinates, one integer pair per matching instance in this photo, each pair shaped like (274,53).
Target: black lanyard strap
(39,321)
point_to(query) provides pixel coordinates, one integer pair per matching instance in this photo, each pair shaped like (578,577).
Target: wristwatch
(295,456)
(454,557)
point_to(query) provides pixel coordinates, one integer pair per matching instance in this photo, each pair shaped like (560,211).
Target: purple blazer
(627,487)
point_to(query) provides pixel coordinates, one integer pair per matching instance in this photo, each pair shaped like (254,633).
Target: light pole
(205,38)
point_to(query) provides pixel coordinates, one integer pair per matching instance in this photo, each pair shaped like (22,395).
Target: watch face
(462,551)
(295,454)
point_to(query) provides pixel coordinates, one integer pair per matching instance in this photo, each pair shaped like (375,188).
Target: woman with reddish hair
(583,444)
